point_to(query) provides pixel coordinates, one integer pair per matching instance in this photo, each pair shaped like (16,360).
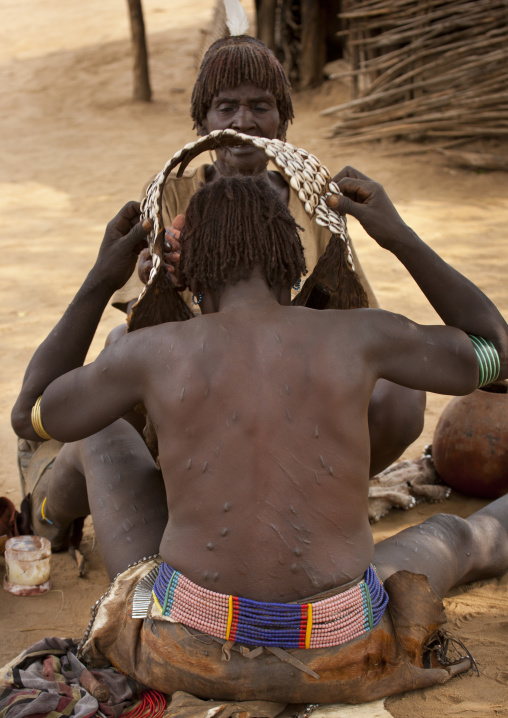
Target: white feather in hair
(236,18)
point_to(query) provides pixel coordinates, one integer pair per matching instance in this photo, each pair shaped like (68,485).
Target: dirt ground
(75,149)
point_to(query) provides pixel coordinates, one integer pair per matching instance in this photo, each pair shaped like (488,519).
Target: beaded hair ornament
(311,180)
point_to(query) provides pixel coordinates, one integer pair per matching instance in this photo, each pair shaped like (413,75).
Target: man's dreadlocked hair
(241,60)
(234,223)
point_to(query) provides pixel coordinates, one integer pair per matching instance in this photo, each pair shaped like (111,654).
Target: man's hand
(124,239)
(172,258)
(367,201)
(145,265)
(171,254)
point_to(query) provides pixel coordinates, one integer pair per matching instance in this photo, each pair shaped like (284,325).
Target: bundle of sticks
(433,69)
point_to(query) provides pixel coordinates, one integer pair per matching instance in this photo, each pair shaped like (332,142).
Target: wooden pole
(265,22)
(141,90)
(313,46)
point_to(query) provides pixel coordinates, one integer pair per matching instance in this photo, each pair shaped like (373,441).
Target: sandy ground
(75,148)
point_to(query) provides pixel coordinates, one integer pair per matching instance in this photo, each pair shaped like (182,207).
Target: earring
(197,300)
(297,286)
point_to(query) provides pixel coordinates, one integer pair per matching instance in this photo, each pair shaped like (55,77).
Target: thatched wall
(425,68)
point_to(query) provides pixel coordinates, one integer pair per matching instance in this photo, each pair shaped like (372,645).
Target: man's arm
(458,301)
(66,346)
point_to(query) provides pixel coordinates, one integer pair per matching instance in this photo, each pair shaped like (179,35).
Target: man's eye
(261,108)
(225,108)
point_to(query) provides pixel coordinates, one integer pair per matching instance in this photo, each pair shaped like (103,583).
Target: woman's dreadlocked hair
(234,223)
(241,60)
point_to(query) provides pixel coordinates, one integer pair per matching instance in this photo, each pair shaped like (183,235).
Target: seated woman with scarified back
(264,543)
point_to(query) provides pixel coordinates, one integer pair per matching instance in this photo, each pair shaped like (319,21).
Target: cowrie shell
(295,182)
(297,161)
(322,222)
(302,194)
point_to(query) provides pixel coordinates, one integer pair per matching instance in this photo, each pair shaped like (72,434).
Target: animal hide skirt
(406,650)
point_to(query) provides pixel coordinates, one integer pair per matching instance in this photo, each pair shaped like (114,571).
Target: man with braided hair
(264,582)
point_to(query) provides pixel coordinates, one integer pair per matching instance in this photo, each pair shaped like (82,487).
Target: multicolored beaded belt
(327,622)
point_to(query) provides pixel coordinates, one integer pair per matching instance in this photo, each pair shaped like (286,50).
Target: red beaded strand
(152,704)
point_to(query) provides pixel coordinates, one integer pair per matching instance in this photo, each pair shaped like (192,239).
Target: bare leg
(65,489)
(112,476)
(450,550)
(395,421)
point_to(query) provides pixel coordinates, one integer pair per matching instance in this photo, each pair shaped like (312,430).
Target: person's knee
(412,415)
(448,529)
(397,412)
(475,548)
(489,537)
(449,542)
(396,417)
(117,444)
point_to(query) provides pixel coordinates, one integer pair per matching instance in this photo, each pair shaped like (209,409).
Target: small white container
(27,565)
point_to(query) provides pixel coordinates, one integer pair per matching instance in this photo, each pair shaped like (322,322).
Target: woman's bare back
(266,478)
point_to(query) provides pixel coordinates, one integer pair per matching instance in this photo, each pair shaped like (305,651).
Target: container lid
(27,548)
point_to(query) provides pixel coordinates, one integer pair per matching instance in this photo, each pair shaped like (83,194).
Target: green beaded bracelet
(488,360)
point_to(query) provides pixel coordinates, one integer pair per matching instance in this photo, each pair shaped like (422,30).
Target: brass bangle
(37,420)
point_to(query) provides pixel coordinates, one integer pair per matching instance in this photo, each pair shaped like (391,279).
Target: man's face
(247,109)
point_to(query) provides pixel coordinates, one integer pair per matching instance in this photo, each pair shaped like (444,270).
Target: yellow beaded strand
(43,509)
(230,617)
(308,630)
